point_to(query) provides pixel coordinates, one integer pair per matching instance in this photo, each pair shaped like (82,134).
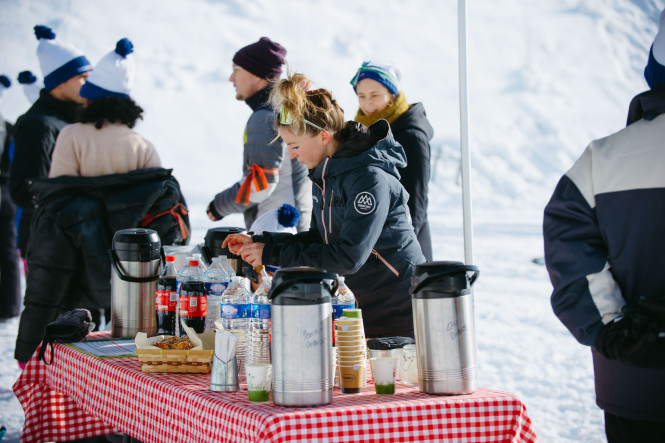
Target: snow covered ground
(545,78)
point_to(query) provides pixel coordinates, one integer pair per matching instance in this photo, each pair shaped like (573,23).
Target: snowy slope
(545,78)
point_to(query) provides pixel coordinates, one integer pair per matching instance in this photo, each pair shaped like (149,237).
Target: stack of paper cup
(351,350)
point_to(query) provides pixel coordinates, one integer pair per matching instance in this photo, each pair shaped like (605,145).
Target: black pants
(624,430)
(10,267)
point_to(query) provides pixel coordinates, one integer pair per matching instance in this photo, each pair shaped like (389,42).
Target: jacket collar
(647,105)
(68,111)
(260,99)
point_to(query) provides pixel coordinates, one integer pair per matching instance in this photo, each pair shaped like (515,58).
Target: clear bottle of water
(235,314)
(202,265)
(258,350)
(216,281)
(227,266)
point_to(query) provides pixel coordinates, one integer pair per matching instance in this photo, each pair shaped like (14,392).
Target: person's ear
(325,137)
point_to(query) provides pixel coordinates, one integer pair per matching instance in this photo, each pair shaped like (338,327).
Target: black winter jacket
(73,226)
(34,139)
(413,131)
(360,228)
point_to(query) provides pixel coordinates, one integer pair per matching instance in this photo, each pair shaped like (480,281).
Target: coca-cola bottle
(167,298)
(193,299)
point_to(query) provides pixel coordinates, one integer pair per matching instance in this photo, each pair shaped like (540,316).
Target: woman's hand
(235,241)
(251,253)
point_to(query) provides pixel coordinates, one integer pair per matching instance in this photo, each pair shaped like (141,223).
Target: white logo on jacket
(365,203)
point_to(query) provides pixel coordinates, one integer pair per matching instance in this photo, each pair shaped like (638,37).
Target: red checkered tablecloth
(82,396)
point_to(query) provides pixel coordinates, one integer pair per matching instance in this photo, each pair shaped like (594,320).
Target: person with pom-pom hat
(104,177)
(64,69)
(10,273)
(103,142)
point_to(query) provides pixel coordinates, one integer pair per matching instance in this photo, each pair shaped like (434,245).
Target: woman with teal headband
(379,97)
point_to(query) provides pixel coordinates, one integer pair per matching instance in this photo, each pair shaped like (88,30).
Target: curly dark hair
(112,110)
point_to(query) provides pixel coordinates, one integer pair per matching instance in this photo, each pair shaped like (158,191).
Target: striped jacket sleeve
(585,294)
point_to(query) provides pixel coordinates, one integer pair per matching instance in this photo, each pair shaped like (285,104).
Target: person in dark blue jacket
(604,243)
(360,222)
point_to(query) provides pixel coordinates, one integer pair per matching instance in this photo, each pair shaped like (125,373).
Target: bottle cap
(169,258)
(194,263)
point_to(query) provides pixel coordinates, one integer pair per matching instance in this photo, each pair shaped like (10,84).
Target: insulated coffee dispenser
(444,328)
(302,336)
(212,247)
(136,264)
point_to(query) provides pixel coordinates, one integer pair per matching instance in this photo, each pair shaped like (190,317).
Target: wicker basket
(174,360)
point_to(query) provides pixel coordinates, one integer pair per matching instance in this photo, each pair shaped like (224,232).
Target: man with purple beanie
(270,177)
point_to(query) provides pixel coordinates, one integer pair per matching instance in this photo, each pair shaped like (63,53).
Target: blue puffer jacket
(360,228)
(604,243)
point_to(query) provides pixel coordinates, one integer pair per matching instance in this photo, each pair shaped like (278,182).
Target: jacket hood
(647,105)
(373,146)
(414,118)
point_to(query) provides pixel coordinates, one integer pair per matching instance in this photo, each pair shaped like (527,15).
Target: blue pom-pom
(4,81)
(287,215)
(26,78)
(44,32)
(124,47)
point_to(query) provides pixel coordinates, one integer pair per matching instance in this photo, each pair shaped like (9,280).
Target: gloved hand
(633,339)
(212,212)
(68,327)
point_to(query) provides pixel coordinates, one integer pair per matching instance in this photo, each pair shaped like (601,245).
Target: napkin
(225,346)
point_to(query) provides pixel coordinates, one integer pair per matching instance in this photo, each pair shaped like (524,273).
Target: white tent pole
(464,132)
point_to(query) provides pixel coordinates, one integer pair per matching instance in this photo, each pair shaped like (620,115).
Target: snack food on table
(172,342)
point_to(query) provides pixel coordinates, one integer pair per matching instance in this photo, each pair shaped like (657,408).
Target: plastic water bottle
(258,350)
(344,299)
(235,314)
(202,265)
(193,301)
(216,281)
(227,266)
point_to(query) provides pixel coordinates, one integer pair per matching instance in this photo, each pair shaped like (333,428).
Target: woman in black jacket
(379,97)
(360,221)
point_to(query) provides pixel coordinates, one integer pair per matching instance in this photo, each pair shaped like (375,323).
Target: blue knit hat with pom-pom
(283,219)
(59,61)
(654,73)
(113,76)
(31,85)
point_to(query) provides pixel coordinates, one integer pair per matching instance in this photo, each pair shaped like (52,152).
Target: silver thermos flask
(444,328)
(301,315)
(135,258)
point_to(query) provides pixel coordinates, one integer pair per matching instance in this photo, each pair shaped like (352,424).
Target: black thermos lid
(302,286)
(136,244)
(442,279)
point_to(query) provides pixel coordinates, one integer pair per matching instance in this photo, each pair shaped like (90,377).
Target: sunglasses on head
(286,119)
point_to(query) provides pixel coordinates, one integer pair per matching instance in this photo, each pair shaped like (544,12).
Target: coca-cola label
(215,288)
(193,306)
(236,311)
(166,300)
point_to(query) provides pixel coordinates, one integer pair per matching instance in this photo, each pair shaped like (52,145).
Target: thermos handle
(420,280)
(121,273)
